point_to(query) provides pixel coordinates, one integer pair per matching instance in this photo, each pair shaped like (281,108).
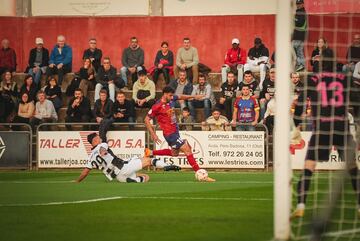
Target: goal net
(321,199)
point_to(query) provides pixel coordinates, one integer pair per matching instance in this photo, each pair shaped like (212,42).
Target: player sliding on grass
(164,112)
(329,95)
(103,158)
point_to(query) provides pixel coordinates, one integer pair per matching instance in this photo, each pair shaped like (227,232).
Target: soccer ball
(201,175)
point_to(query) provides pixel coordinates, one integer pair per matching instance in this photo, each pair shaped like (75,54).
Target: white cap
(39,41)
(235,41)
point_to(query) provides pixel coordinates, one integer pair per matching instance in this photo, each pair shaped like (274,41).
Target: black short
(325,137)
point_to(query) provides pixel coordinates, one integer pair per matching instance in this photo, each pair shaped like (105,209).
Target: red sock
(193,162)
(163,152)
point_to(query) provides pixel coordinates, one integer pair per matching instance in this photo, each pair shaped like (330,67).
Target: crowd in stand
(244,99)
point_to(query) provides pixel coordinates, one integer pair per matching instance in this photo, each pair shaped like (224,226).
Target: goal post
(282,165)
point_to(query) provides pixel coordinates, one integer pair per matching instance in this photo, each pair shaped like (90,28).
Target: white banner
(334,163)
(89,7)
(221,149)
(70,149)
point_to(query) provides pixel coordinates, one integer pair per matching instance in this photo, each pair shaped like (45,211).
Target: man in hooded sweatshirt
(143,91)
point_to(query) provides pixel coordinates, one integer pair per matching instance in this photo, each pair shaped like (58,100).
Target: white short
(129,169)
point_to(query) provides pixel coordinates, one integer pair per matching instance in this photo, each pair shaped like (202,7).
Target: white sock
(159,163)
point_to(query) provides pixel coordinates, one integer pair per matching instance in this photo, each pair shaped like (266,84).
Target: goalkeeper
(329,93)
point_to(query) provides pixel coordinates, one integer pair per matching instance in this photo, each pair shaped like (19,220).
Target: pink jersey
(165,116)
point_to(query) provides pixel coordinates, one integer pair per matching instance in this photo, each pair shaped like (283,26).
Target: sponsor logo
(2,147)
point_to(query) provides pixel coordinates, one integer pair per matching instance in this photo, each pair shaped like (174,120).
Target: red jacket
(8,59)
(235,56)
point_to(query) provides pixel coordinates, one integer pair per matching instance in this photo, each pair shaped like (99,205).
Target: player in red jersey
(164,112)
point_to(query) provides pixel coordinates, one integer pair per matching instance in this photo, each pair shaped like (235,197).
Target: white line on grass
(118,197)
(155,182)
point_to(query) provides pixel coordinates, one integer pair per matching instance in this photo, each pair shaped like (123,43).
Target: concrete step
(213,78)
(140,114)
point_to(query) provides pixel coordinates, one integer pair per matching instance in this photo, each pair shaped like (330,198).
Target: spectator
(7,57)
(143,91)
(207,102)
(246,111)
(164,62)
(132,61)
(251,82)
(297,84)
(102,112)
(186,120)
(356,73)
(123,111)
(53,93)
(268,91)
(299,34)
(187,59)
(94,54)
(106,78)
(322,52)
(38,61)
(353,55)
(182,86)
(9,88)
(216,122)
(60,61)
(235,59)
(25,111)
(228,94)
(257,60)
(29,87)
(87,76)
(9,95)
(44,111)
(79,108)
(269,115)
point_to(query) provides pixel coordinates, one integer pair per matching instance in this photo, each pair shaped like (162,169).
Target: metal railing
(28,131)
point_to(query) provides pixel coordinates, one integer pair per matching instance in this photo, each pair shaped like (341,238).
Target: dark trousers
(34,122)
(71,119)
(228,106)
(19,119)
(165,72)
(60,72)
(147,104)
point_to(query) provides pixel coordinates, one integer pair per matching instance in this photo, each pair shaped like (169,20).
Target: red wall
(210,34)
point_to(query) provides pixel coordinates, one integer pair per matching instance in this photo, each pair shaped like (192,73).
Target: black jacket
(328,59)
(127,109)
(300,28)
(259,52)
(103,76)
(84,109)
(32,57)
(268,87)
(229,91)
(31,92)
(97,55)
(107,110)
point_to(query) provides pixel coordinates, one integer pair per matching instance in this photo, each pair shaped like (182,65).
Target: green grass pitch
(172,206)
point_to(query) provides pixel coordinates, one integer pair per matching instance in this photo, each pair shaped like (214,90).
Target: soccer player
(103,158)
(163,111)
(328,92)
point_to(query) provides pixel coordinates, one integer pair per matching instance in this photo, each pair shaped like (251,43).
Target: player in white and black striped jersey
(103,158)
